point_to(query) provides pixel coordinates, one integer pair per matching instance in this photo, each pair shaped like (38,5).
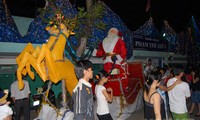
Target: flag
(148,6)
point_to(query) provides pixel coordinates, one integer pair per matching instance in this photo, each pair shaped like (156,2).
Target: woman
(103,96)
(195,92)
(153,103)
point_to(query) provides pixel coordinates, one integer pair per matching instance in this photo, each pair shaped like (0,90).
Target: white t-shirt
(177,96)
(102,103)
(5,111)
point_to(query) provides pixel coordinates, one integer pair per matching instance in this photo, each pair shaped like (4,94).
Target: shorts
(177,116)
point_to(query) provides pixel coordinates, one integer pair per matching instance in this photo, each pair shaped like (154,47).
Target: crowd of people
(169,90)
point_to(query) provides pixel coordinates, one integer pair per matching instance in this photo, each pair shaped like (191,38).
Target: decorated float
(49,61)
(52,28)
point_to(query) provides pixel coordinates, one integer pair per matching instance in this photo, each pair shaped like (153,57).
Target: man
(21,100)
(149,67)
(177,97)
(113,50)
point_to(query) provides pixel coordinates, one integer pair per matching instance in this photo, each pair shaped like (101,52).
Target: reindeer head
(63,26)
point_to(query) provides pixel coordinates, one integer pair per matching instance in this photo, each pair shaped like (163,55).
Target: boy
(82,94)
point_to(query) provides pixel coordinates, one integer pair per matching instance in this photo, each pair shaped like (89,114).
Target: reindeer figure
(48,61)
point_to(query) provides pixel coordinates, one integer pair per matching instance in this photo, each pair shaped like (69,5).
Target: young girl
(103,96)
(195,92)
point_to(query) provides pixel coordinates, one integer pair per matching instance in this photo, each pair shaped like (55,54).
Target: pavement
(137,115)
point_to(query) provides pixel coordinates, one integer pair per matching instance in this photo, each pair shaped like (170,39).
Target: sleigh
(130,84)
(127,91)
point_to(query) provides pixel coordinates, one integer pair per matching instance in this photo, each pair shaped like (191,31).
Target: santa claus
(113,51)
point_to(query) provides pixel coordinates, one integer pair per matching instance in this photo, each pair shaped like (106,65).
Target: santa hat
(3,97)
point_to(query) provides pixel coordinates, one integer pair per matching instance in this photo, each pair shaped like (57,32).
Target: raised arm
(162,87)
(194,79)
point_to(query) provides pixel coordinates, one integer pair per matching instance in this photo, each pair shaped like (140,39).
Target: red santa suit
(112,45)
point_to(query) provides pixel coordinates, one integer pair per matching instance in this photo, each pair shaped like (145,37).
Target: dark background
(177,12)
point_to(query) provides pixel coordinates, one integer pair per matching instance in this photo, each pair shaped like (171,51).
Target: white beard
(109,43)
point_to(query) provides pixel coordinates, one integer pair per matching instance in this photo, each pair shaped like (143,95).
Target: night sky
(176,12)
(132,12)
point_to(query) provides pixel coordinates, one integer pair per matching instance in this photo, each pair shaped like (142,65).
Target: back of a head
(177,71)
(153,75)
(100,75)
(81,66)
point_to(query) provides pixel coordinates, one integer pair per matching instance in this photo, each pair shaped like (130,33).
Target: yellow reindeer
(48,60)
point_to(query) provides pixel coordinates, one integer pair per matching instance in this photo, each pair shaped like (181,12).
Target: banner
(149,44)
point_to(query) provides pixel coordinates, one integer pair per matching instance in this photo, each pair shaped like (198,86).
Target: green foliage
(88,19)
(56,17)
(83,24)
(85,20)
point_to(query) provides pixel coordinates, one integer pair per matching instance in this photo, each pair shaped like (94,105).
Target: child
(103,96)
(82,94)
(5,111)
